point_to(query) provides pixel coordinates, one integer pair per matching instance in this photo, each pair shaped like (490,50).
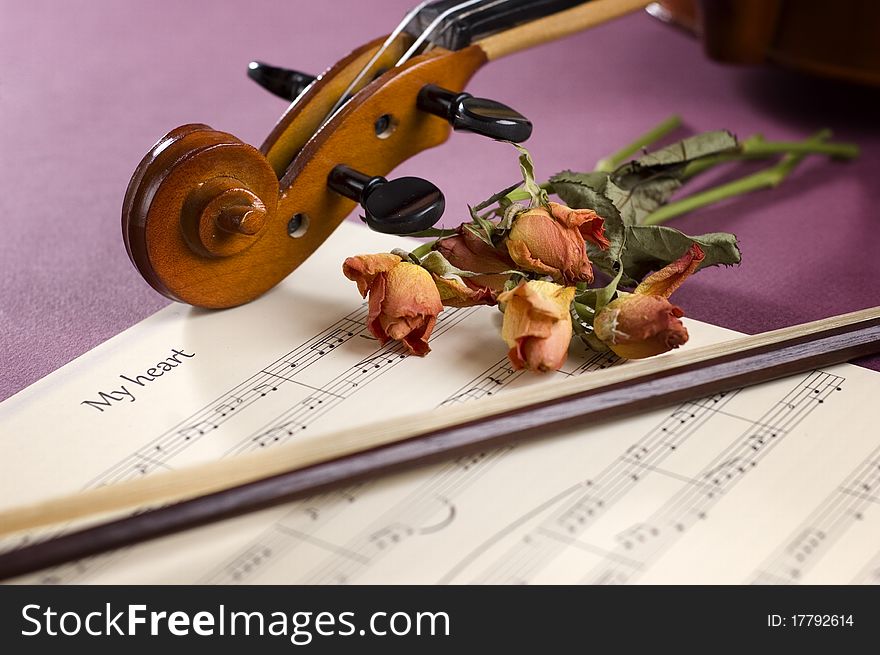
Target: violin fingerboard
(475,21)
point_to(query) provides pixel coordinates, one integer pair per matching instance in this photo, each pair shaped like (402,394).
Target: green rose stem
(611,162)
(584,312)
(769,177)
(423,249)
(520,194)
(755,147)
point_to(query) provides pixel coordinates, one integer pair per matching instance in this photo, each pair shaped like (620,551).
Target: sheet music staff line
(647,540)
(223,408)
(839,512)
(531,553)
(340,388)
(158,452)
(397,524)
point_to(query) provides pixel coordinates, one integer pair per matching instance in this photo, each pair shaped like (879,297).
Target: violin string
(450,24)
(417,44)
(410,16)
(414,48)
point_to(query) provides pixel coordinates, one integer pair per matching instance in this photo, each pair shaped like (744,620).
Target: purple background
(86,87)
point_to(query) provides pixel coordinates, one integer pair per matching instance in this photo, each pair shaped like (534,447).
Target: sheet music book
(771,484)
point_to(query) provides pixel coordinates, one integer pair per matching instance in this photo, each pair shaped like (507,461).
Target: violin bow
(310,465)
(214,222)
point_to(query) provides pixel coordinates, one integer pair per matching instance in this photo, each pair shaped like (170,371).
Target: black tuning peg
(479,115)
(283,82)
(401,206)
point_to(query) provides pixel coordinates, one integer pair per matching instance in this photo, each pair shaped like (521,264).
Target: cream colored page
(770,484)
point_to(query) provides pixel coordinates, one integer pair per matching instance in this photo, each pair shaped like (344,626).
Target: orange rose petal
(590,225)
(669,278)
(374,315)
(537,324)
(539,243)
(410,306)
(364,269)
(521,254)
(637,326)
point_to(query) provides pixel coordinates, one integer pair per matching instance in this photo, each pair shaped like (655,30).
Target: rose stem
(609,163)
(767,178)
(423,249)
(755,147)
(518,194)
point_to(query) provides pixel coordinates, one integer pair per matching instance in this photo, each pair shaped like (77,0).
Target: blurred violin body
(839,39)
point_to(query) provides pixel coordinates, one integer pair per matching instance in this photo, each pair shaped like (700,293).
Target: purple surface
(86,87)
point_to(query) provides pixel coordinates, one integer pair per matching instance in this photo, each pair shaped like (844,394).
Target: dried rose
(551,241)
(403,300)
(537,324)
(645,323)
(468,252)
(636,326)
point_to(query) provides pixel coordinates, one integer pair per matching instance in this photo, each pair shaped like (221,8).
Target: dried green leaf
(637,203)
(437,263)
(596,299)
(483,225)
(651,247)
(529,185)
(496,197)
(693,147)
(405,256)
(433,232)
(479,233)
(639,187)
(510,213)
(586,191)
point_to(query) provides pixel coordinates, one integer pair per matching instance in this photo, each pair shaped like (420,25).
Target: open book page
(771,484)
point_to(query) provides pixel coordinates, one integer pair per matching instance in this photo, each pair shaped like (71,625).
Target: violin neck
(502,27)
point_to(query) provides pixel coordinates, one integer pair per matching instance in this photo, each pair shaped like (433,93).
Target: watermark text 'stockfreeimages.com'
(299,627)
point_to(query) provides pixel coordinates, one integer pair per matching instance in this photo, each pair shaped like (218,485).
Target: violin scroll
(198,203)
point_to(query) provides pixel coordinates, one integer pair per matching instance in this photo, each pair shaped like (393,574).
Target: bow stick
(230,487)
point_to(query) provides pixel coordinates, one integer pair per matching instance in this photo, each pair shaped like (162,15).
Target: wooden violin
(214,222)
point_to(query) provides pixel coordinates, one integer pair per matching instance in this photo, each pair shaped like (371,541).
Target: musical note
(249,561)
(331,341)
(724,471)
(390,536)
(228,405)
(575,517)
(471,460)
(264,389)
(196,430)
(278,433)
(638,535)
(637,451)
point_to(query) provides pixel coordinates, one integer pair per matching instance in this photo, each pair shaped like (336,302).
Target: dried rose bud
(470,253)
(403,300)
(551,241)
(636,326)
(645,323)
(537,324)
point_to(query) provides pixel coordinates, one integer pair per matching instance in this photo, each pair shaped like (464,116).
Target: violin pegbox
(213,222)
